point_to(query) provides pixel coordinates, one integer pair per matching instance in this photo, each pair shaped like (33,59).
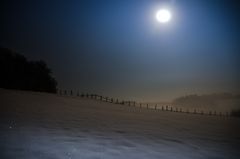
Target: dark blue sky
(117,48)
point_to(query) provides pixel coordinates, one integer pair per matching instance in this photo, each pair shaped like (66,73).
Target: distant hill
(19,73)
(217,101)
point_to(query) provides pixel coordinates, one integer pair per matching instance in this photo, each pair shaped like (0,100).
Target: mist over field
(211,102)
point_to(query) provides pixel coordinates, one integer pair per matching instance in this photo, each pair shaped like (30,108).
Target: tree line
(19,73)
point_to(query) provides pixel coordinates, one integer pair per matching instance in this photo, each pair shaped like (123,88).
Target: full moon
(163,16)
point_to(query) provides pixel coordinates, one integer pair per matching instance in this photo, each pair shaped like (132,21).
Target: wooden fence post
(215,113)
(210,112)
(147,106)
(162,108)
(156,107)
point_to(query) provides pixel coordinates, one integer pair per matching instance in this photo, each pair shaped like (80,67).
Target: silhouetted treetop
(19,73)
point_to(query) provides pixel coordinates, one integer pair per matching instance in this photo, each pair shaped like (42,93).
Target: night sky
(118,49)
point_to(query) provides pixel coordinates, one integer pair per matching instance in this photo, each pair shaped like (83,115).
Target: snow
(38,126)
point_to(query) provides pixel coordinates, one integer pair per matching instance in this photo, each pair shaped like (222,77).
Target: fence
(143,105)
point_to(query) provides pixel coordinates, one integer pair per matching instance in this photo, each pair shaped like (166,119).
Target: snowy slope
(39,125)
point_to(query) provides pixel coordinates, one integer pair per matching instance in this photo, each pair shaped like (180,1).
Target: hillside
(41,125)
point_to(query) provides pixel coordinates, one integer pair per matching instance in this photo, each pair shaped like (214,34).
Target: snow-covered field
(47,126)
